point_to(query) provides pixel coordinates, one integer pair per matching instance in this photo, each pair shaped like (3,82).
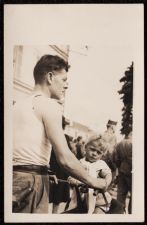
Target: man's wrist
(100,183)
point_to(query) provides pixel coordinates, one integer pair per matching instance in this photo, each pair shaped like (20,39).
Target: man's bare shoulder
(48,108)
(48,103)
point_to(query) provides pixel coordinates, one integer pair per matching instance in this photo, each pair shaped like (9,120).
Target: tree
(127,98)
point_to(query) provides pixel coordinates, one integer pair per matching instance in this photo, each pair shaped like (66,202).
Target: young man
(37,125)
(109,136)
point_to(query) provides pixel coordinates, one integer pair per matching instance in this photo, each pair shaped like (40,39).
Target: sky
(113,34)
(92,97)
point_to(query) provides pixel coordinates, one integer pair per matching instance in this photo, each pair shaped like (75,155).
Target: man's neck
(109,130)
(42,90)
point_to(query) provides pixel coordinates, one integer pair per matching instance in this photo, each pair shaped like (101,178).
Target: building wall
(75,129)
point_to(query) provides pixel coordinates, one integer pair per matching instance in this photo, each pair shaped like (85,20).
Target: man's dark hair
(46,64)
(79,138)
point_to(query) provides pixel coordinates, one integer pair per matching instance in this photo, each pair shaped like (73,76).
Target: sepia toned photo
(72,115)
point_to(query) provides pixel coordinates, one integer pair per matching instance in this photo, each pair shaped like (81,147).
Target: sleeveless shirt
(30,143)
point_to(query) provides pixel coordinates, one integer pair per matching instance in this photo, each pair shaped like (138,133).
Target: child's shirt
(96,169)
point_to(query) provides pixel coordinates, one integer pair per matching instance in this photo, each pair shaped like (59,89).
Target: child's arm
(108,179)
(105,173)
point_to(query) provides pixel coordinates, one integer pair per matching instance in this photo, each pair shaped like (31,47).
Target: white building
(76,129)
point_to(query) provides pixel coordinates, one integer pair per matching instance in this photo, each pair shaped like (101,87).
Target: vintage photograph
(73,120)
(47,175)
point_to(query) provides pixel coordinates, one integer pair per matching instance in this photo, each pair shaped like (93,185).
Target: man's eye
(99,153)
(92,149)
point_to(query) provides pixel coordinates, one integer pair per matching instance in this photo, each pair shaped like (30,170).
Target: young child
(95,148)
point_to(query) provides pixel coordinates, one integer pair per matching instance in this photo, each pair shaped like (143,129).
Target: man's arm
(52,117)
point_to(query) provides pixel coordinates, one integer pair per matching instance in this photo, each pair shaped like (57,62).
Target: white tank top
(30,144)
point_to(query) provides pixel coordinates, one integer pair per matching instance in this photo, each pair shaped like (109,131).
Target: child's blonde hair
(100,143)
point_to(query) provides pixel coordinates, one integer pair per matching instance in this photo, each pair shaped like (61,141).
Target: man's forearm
(74,167)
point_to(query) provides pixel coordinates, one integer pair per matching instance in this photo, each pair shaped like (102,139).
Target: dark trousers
(30,192)
(124,186)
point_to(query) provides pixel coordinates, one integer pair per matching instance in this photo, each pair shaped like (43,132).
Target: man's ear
(49,77)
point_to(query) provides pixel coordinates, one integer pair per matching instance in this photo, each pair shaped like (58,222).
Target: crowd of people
(48,164)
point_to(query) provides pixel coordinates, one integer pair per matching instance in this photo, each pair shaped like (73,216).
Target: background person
(80,148)
(110,140)
(59,192)
(73,145)
(123,160)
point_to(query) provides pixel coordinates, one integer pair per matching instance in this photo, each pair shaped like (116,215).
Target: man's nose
(66,85)
(94,153)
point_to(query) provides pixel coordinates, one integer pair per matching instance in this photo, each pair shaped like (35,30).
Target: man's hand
(53,179)
(74,182)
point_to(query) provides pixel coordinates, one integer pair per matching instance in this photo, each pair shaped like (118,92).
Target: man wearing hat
(110,139)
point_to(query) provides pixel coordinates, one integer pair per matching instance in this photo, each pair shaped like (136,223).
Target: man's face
(93,153)
(59,84)
(112,128)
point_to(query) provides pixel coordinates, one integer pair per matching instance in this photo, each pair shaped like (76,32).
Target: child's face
(93,152)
